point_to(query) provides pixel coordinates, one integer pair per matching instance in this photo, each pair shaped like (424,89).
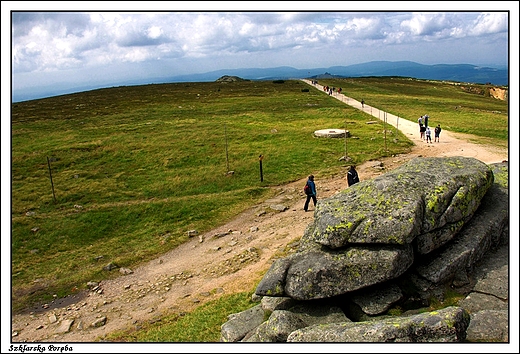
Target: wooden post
(386,117)
(50,175)
(227,158)
(260,158)
(346,152)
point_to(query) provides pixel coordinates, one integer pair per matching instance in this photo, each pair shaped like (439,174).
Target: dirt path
(229,259)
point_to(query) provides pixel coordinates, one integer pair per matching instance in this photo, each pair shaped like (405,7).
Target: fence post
(260,158)
(50,175)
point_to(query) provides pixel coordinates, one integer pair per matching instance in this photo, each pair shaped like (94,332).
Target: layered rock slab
(371,232)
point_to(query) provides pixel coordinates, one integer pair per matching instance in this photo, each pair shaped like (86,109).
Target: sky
(49,45)
(73,48)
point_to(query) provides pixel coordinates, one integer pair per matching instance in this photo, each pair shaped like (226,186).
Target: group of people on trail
(310,186)
(352,174)
(425,131)
(329,89)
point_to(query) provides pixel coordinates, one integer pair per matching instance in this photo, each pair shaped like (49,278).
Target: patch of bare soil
(229,259)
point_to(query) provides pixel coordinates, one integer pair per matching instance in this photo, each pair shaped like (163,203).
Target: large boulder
(282,323)
(367,233)
(445,325)
(322,274)
(382,287)
(427,198)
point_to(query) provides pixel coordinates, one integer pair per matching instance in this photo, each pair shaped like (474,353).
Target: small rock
(278,207)
(64,326)
(99,322)
(109,266)
(125,271)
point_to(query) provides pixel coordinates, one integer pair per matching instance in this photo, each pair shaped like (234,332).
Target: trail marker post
(227,157)
(50,175)
(346,152)
(260,158)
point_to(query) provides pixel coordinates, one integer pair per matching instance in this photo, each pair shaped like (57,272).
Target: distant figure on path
(426,120)
(311,194)
(437,132)
(422,130)
(420,121)
(352,176)
(362,103)
(428,135)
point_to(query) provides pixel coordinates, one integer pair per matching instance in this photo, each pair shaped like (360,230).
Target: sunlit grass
(130,165)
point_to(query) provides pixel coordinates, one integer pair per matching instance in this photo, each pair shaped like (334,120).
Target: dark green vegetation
(135,168)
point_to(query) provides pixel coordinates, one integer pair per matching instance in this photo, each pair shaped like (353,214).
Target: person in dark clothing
(311,194)
(352,176)
(422,130)
(437,133)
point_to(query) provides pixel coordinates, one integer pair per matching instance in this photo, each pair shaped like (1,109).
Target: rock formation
(396,242)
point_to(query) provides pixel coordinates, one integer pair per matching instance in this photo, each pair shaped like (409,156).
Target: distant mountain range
(447,72)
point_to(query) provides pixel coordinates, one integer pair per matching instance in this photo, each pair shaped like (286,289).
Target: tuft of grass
(450,298)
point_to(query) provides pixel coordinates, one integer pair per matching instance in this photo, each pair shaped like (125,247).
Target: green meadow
(458,107)
(120,175)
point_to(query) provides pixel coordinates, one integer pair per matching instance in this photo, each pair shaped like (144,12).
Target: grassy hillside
(135,168)
(461,108)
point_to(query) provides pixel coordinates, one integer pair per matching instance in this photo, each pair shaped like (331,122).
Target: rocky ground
(228,259)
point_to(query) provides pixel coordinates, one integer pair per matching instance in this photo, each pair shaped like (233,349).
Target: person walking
(428,135)
(310,188)
(352,176)
(362,103)
(437,132)
(422,130)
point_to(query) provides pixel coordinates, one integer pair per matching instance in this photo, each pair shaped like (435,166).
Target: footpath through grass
(135,168)
(458,107)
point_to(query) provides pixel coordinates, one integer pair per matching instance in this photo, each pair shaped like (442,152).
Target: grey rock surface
(446,325)
(369,281)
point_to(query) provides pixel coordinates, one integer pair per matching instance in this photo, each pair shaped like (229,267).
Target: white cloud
(65,44)
(488,23)
(53,41)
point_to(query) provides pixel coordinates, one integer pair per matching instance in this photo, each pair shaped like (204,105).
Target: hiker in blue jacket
(311,194)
